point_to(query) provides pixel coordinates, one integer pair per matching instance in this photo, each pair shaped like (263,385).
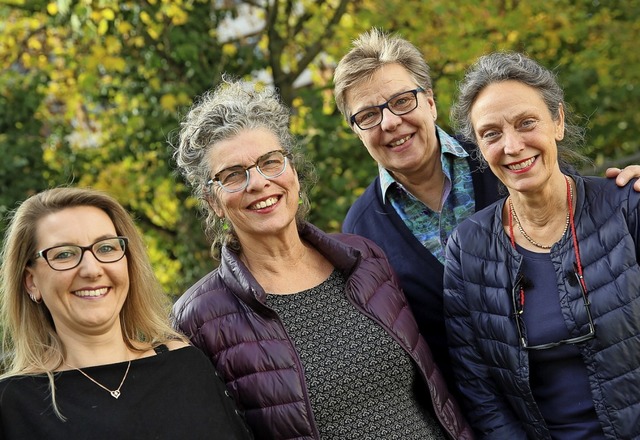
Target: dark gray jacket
(491,368)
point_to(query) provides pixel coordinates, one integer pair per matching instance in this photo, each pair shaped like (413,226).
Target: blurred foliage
(91,91)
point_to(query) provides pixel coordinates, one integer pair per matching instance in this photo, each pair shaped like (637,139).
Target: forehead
(506,99)
(385,82)
(242,149)
(77,225)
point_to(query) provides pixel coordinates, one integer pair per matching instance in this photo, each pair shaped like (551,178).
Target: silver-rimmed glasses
(69,256)
(517,296)
(399,105)
(236,178)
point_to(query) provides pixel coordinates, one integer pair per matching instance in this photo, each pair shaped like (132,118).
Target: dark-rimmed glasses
(399,105)
(69,256)
(517,296)
(236,178)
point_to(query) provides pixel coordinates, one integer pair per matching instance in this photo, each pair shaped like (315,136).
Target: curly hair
(220,114)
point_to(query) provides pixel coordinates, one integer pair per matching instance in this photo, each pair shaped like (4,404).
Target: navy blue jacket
(420,272)
(492,370)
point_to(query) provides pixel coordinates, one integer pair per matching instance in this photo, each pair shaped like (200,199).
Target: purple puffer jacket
(225,316)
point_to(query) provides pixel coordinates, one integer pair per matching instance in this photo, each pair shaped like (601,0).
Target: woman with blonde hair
(88,348)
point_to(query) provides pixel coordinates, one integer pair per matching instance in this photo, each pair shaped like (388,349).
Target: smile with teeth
(521,165)
(400,141)
(93,292)
(265,203)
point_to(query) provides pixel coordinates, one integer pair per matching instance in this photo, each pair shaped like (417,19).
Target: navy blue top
(419,271)
(558,375)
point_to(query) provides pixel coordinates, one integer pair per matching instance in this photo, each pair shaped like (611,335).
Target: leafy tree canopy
(91,91)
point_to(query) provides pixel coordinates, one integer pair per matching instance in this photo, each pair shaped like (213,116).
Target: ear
(215,206)
(560,123)
(30,284)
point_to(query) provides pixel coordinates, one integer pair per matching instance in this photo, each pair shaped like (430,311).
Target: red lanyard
(573,233)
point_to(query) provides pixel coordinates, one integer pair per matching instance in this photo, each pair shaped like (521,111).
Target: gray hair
(504,66)
(370,51)
(220,114)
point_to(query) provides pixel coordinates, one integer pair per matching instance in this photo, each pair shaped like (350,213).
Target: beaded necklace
(512,213)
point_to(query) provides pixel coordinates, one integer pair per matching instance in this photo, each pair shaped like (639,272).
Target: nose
(255,179)
(90,267)
(513,142)
(389,121)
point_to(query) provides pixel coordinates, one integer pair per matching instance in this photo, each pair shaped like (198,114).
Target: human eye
(231,175)
(529,124)
(107,246)
(271,160)
(62,253)
(402,101)
(489,136)
(367,116)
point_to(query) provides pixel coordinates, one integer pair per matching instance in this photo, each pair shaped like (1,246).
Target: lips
(399,142)
(91,292)
(521,165)
(264,203)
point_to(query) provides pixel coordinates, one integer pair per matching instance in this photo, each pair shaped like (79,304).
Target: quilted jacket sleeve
(487,410)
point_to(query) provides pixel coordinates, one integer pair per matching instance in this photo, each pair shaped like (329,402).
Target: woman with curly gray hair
(310,331)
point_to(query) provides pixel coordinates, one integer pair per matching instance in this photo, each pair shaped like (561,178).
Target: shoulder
(366,246)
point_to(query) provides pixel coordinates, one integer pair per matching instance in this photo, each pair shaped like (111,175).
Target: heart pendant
(115,394)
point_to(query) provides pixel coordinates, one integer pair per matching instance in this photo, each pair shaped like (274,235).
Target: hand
(624,176)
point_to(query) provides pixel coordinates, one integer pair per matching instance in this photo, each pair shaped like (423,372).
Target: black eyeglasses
(399,105)
(517,295)
(69,256)
(236,178)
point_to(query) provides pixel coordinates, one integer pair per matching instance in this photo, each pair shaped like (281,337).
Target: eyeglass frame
(124,243)
(384,105)
(518,307)
(216,177)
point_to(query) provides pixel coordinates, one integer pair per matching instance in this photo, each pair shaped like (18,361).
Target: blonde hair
(30,342)
(371,51)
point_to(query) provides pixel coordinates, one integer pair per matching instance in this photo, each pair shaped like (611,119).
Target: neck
(537,221)
(285,267)
(88,350)
(428,187)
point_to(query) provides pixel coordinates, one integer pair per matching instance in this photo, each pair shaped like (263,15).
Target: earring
(34,299)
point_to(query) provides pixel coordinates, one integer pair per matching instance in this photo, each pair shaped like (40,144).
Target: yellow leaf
(52,8)
(168,102)
(108,14)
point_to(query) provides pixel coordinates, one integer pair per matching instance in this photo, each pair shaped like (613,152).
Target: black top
(172,395)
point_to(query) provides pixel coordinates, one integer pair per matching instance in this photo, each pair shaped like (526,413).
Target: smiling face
(266,207)
(516,134)
(405,144)
(88,298)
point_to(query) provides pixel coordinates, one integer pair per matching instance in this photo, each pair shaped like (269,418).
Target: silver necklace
(566,224)
(114,393)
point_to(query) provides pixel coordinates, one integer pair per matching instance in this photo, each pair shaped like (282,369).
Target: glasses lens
(63,257)
(233,179)
(109,250)
(272,164)
(367,118)
(404,103)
